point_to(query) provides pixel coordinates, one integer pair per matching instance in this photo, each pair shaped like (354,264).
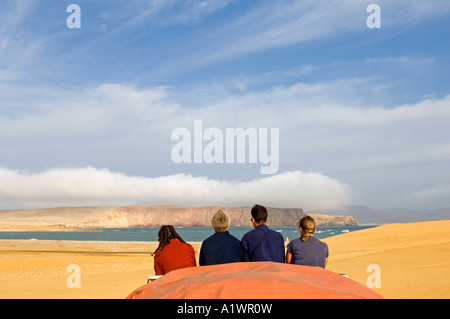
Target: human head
(220,221)
(259,214)
(307,227)
(165,234)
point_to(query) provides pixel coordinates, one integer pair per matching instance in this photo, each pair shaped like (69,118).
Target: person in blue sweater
(262,243)
(222,247)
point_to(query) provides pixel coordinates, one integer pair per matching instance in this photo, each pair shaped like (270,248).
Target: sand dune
(413,259)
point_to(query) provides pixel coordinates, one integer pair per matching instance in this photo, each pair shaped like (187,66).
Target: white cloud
(166,12)
(102,187)
(193,10)
(309,116)
(128,130)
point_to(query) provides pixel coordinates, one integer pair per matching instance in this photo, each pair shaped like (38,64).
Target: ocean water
(190,234)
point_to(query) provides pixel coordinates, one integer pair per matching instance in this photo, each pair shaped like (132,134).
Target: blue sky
(86,114)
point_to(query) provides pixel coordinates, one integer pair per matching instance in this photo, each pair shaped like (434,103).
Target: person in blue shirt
(262,243)
(307,250)
(222,247)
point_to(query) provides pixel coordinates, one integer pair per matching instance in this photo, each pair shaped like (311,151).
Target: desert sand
(413,260)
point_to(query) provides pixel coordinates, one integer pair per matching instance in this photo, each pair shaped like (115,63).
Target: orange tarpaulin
(253,280)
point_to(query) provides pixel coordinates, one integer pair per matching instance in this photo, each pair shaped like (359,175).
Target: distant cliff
(154,216)
(142,216)
(338,220)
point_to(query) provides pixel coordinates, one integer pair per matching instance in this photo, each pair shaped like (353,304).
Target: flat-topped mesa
(144,216)
(65,218)
(334,220)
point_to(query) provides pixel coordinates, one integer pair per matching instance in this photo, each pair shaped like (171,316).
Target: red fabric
(253,280)
(175,255)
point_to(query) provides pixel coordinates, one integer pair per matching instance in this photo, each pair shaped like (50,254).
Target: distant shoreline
(74,218)
(106,229)
(151,233)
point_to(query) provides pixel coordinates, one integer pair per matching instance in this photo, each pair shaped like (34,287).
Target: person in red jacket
(172,252)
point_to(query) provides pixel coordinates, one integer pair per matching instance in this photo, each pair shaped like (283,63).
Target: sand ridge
(413,258)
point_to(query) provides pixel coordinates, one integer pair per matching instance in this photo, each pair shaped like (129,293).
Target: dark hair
(165,234)
(259,213)
(308,226)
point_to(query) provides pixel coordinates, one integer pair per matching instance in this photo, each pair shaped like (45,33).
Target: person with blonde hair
(221,247)
(307,250)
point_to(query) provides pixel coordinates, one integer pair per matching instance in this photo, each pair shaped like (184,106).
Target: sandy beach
(413,261)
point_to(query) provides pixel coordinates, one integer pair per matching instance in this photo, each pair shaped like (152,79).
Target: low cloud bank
(102,187)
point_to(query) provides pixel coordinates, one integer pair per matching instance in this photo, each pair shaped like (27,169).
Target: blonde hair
(308,226)
(220,221)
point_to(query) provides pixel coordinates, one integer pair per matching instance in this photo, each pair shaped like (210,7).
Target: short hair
(220,221)
(259,213)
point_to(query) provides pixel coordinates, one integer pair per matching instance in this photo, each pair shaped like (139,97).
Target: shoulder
(250,233)
(209,239)
(275,234)
(187,247)
(318,241)
(225,234)
(294,242)
(231,237)
(176,243)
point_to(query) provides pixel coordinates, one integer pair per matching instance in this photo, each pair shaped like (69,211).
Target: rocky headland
(150,216)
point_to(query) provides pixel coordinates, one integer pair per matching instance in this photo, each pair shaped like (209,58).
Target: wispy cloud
(163,13)
(279,24)
(193,11)
(36,46)
(115,27)
(18,47)
(14,13)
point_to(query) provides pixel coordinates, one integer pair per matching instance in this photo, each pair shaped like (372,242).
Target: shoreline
(38,268)
(49,229)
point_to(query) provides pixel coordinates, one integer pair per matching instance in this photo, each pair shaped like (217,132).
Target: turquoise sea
(191,234)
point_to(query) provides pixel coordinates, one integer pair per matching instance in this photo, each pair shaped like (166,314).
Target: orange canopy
(253,280)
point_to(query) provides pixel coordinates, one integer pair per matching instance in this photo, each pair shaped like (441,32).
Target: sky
(89,112)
